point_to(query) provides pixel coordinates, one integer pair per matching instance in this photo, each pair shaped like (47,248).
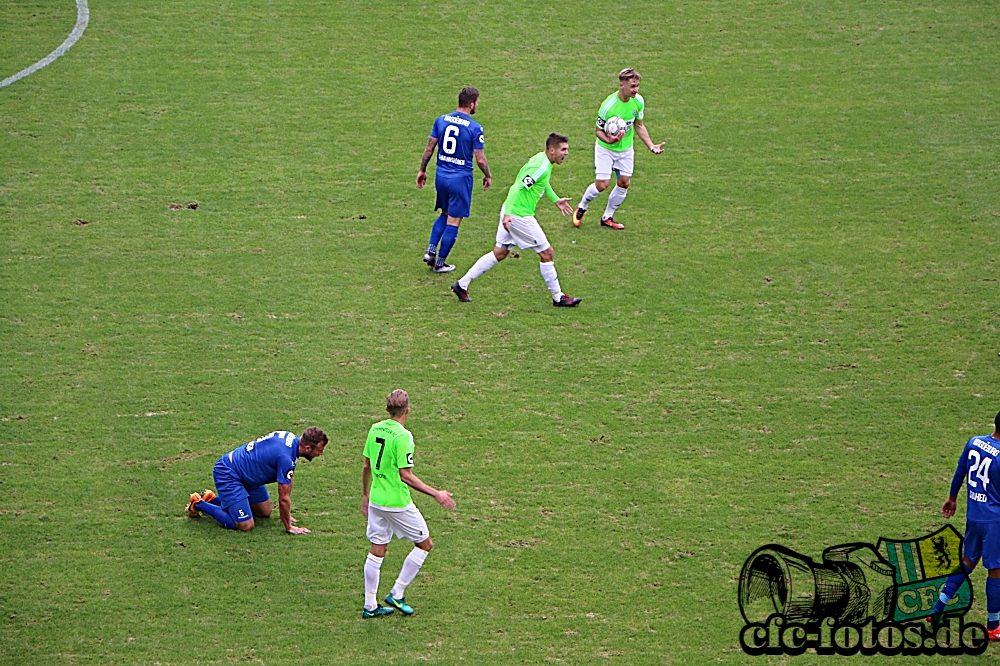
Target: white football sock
(589,195)
(615,199)
(373,567)
(548,270)
(411,567)
(483,264)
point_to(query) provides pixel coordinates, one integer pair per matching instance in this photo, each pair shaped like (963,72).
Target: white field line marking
(82,19)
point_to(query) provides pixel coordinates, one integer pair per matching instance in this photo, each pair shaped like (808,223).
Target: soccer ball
(613,125)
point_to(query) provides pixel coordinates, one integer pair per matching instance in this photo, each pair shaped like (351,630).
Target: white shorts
(606,161)
(407,523)
(525,232)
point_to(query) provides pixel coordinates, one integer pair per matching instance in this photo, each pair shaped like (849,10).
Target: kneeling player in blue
(977,471)
(459,140)
(241,475)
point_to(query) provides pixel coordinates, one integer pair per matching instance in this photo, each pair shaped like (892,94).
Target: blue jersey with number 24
(458,135)
(266,459)
(978,468)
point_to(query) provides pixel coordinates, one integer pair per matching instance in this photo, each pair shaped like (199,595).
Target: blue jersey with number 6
(978,469)
(458,135)
(265,460)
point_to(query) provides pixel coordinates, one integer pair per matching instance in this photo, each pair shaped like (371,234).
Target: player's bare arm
(948,510)
(484,167)
(609,138)
(564,206)
(640,129)
(285,509)
(443,497)
(424,160)
(366,484)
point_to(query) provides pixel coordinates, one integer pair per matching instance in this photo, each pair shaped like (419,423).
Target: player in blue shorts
(978,471)
(241,474)
(459,141)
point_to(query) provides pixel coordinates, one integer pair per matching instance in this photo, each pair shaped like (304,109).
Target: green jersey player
(613,153)
(386,479)
(519,227)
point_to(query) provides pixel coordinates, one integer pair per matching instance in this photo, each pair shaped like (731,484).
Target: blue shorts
(454,194)
(983,540)
(234,497)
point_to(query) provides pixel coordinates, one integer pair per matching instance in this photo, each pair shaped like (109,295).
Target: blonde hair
(628,73)
(397,402)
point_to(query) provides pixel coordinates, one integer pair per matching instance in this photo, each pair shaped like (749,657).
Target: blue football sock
(992,603)
(439,224)
(447,242)
(948,591)
(221,515)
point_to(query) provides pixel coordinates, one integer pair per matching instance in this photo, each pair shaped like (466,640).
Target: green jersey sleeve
(404,450)
(550,193)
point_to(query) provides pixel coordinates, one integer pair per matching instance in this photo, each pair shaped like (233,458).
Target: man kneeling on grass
(241,475)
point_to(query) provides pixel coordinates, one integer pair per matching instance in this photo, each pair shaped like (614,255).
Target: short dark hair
(313,436)
(555,139)
(996,422)
(467,96)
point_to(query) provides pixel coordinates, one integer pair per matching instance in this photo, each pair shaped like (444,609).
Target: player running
(977,470)
(386,479)
(519,227)
(615,153)
(241,475)
(459,140)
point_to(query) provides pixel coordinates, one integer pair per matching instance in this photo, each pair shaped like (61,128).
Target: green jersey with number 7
(389,447)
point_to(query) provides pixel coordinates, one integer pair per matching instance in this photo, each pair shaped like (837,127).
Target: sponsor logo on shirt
(528,182)
(409,458)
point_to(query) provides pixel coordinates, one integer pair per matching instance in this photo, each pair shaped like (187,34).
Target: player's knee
(262,510)
(500,253)
(601,185)
(547,255)
(624,182)
(425,545)
(379,550)
(245,526)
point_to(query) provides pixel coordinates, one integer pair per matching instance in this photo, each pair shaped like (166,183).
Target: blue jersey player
(241,476)
(459,141)
(978,472)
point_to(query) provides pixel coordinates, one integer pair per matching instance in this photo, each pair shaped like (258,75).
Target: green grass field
(789,343)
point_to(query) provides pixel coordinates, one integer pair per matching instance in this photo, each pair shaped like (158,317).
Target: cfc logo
(289,475)
(409,458)
(528,181)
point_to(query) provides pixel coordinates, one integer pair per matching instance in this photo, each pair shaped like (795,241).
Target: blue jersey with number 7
(458,135)
(978,469)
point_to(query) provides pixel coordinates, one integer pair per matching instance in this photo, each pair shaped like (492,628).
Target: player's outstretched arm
(424,160)
(484,167)
(564,206)
(285,509)
(640,129)
(443,497)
